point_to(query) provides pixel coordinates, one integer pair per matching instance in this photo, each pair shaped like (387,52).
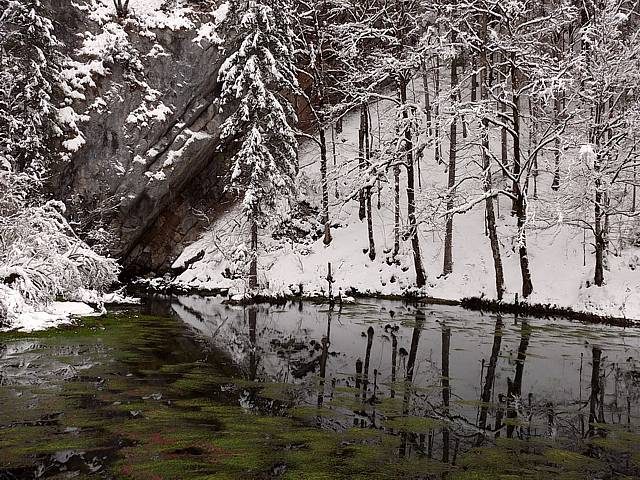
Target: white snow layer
(24,317)
(56,314)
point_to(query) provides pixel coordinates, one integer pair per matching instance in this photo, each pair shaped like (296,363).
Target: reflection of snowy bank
(23,363)
(373,346)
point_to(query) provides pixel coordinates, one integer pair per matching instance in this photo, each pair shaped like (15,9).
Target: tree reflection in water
(411,352)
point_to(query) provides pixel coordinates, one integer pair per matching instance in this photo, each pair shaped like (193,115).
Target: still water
(187,387)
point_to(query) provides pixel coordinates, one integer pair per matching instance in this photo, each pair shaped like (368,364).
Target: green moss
(163,468)
(391,406)
(362,434)
(482,476)
(347,390)
(516,422)
(20,444)
(498,461)
(571,461)
(477,404)
(348,403)
(308,412)
(414,424)
(197,429)
(279,391)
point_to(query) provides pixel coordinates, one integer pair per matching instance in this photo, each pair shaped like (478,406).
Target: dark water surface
(187,387)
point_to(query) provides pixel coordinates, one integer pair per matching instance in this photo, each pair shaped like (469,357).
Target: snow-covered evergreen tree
(40,255)
(29,74)
(256,79)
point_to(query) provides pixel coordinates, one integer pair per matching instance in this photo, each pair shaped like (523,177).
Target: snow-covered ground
(56,314)
(561,254)
(28,318)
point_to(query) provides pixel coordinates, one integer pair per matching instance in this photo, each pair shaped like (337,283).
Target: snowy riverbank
(27,318)
(294,257)
(565,284)
(54,315)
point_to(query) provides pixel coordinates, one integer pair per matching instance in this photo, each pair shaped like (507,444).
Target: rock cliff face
(142,92)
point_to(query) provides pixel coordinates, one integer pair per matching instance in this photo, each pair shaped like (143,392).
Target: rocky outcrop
(146,166)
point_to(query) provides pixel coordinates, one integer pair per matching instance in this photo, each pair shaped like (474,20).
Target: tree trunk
(323,360)
(253,266)
(122,9)
(504,144)
(253,352)
(533,142)
(413,351)
(474,80)
(367,158)
(520,202)
(463,63)
(362,211)
(335,157)
(367,359)
(521,213)
(486,165)
(408,383)
(595,388)
(436,113)
(504,156)
(633,195)
(485,397)
(446,392)
(515,109)
(396,213)
(555,185)
(515,387)
(599,237)
(325,187)
(448,238)
(411,205)
(427,99)
(394,356)
(372,245)
(598,209)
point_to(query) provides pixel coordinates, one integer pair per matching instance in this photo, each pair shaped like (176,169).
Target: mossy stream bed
(186,387)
